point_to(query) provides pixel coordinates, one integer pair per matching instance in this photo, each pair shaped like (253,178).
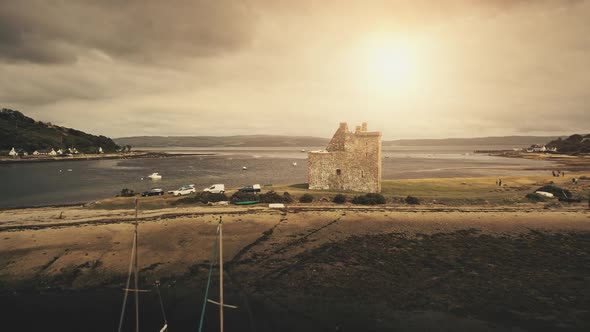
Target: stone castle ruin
(352,161)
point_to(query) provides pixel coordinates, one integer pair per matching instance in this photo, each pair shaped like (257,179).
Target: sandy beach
(32,244)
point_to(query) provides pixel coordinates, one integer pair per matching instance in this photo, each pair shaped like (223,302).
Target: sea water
(67,182)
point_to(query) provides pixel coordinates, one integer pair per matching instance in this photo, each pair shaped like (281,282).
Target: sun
(390,65)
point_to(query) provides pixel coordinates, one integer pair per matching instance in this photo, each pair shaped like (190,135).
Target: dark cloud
(157,67)
(42,31)
(33,92)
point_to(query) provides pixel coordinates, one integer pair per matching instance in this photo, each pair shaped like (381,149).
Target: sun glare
(391,65)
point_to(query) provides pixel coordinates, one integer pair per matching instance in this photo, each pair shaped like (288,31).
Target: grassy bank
(448,191)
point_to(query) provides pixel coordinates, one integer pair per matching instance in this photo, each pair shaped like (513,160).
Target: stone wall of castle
(351,161)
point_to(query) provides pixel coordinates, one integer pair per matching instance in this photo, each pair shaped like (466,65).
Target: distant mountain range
(21,132)
(223,141)
(308,141)
(515,141)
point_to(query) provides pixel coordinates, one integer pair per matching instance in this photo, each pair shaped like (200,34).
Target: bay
(68,182)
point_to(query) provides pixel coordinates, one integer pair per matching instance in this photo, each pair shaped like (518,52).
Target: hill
(308,141)
(516,141)
(575,144)
(223,141)
(22,132)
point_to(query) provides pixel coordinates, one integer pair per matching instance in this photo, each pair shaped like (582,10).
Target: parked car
(184,190)
(250,189)
(153,192)
(215,189)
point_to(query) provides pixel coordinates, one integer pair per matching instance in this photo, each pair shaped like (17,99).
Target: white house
(100,150)
(52,152)
(60,152)
(17,152)
(42,152)
(537,148)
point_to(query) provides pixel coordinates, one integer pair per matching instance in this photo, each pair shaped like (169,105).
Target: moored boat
(247,202)
(155,176)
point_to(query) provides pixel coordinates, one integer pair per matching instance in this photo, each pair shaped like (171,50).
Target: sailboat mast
(136,271)
(220,274)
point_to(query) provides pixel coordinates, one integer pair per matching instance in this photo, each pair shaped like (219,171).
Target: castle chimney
(364,127)
(358,129)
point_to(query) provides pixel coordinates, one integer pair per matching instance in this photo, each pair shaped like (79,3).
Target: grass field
(457,191)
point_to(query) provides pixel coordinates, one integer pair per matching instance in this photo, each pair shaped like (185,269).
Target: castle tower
(351,161)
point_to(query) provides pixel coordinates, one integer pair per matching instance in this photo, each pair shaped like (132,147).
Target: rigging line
(127,285)
(161,302)
(213,259)
(136,268)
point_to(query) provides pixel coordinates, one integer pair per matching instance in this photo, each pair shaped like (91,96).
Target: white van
(215,189)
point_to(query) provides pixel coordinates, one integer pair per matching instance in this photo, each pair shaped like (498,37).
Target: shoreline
(48,206)
(49,218)
(131,155)
(577,163)
(436,195)
(448,192)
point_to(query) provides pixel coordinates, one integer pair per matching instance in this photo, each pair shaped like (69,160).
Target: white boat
(244,168)
(544,193)
(302,150)
(294,164)
(155,176)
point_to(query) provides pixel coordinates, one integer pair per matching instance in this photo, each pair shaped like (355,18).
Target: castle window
(338,171)
(362,174)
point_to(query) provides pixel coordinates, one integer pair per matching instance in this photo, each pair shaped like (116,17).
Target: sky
(411,69)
